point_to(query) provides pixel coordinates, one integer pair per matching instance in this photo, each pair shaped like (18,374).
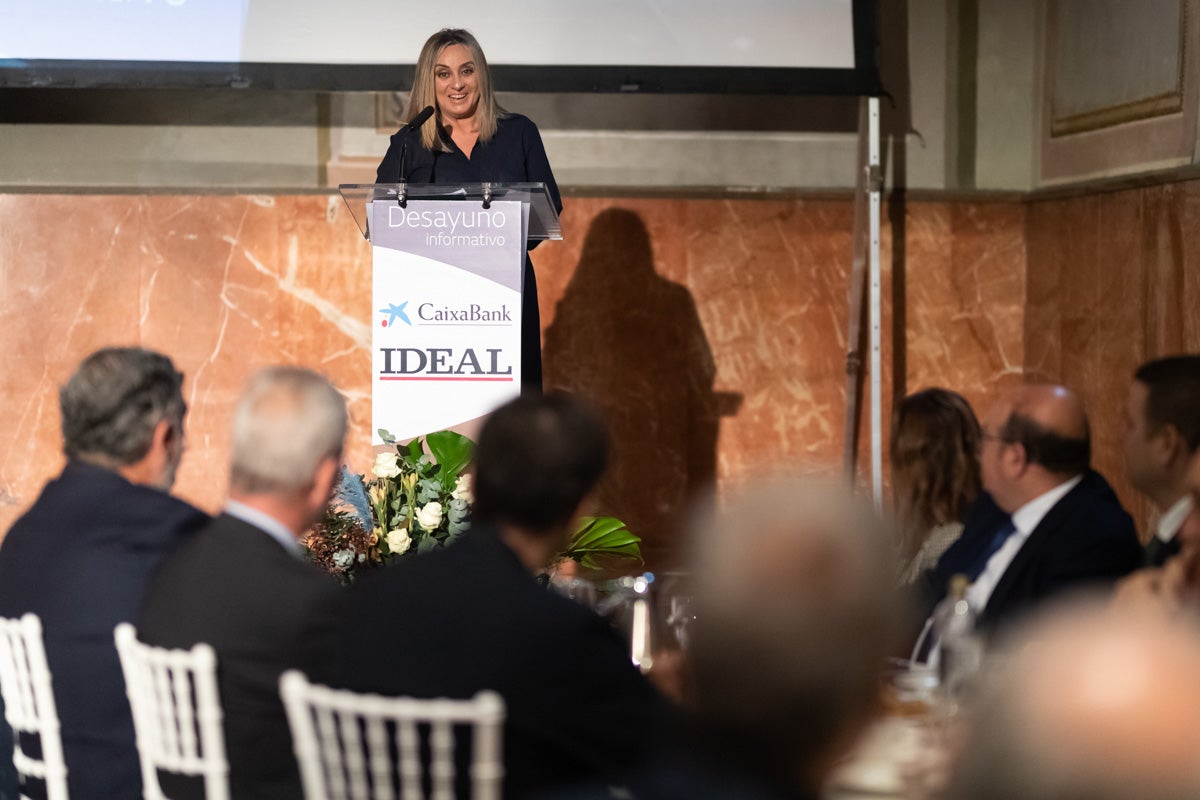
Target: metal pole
(858,276)
(876,293)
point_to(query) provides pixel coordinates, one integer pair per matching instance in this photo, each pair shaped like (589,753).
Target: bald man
(1090,704)
(1053,524)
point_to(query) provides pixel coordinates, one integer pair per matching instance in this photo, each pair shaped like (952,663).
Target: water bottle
(960,650)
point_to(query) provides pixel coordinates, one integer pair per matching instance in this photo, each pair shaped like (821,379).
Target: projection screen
(757,46)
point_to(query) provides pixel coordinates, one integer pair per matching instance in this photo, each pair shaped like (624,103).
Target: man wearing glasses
(1049,523)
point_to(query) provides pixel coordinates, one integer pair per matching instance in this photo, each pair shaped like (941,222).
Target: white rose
(430,516)
(386,466)
(462,488)
(398,541)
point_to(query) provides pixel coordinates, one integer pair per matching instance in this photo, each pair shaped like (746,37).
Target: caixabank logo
(395,313)
(416,363)
(430,314)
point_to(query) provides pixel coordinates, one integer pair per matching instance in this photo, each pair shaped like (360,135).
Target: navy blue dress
(514,155)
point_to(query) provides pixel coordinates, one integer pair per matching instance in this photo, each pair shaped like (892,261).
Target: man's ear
(1015,459)
(164,435)
(1170,447)
(324,478)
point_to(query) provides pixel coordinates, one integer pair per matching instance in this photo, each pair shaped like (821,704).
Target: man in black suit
(795,613)
(1050,523)
(1162,432)
(82,556)
(470,617)
(242,584)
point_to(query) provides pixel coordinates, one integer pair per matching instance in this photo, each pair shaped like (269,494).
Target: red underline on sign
(425,378)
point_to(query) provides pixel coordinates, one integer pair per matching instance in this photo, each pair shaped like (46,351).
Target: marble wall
(1114,280)
(711,332)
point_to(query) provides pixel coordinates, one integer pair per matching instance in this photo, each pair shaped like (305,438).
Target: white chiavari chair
(177,713)
(29,703)
(353,746)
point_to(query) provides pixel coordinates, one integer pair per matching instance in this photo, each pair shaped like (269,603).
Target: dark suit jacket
(690,778)
(1158,552)
(983,519)
(1087,538)
(264,611)
(81,559)
(700,764)
(471,617)
(8,773)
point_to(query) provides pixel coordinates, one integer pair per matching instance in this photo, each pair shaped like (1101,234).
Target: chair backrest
(350,745)
(29,702)
(177,714)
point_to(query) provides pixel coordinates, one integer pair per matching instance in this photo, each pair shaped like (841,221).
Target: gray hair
(288,420)
(1088,701)
(113,402)
(795,615)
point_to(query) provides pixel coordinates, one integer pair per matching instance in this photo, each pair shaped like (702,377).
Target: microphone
(416,124)
(419,119)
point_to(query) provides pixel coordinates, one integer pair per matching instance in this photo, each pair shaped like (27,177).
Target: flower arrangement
(418,499)
(414,501)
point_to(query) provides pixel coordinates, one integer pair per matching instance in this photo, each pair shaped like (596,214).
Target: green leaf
(602,537)
(453,452)
(610,542)
(595,529)
(386,436)
(426,544)
(414,451)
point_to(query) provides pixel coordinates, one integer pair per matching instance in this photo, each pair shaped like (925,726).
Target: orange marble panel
(1188,283)
(768,282)
(221,284)
(1112,283)
(965,292)
(711,332)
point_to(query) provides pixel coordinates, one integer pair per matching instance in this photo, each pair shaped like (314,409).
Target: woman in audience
(935,474)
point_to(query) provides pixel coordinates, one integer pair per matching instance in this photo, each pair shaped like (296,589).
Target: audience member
(1162,432)
(794,618)
(1175,586)
(82,556)
(795,612)
(1089,704)
(935,474)
(8,772)
(1056,523)
(472,616)
(242,584)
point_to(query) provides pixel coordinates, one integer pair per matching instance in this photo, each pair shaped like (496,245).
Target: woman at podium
(469,138)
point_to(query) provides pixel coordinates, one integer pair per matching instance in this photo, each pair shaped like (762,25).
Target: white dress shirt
(1170,522)
(266,523)
(1024,519)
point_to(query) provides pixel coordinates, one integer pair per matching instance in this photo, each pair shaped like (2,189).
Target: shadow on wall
(631,342)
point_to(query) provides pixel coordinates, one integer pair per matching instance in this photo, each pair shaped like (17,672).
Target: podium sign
(446,342)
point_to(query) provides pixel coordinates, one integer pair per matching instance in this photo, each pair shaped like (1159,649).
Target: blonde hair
(935,463)
(424,88)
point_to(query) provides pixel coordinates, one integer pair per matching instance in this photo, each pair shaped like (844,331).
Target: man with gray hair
(794,618)
(82,556)
(242,584)
(795,614)
(1089,702)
